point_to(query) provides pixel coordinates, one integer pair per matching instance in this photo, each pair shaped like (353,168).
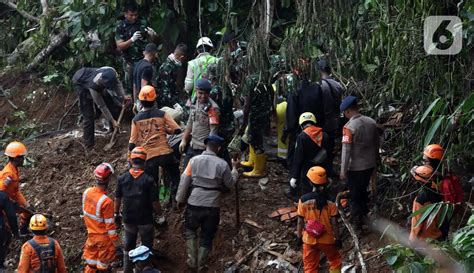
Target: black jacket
(138,195)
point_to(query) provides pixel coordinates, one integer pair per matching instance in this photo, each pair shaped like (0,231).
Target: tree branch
(45,7)
(21,12)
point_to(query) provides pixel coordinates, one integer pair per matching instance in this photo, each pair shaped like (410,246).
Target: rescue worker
(206,176)
(149,129)
(306,98)
(317,225)
(167,79)
(92,86)
(143,72)
(10,182)
(131,36)
(8,226)
(198,66)
(332,92)
(140,199)
(103,242)
(257,108)
(360,153)
(448,184)
(141,258)
(426,196)
(42,253)
(203,121)
(310,150)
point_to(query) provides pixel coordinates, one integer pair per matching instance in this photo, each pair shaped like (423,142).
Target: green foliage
(429,213)
(27,128)
(460,249)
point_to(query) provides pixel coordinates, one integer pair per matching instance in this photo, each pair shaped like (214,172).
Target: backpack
(451,190)
(46,254)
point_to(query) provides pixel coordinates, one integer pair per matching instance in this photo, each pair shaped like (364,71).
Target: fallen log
(351,231)
(54,42)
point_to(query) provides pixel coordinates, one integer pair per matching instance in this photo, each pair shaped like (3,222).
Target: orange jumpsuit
(423,231)
(98,210)
(10,184)
(312,247)
(29,261)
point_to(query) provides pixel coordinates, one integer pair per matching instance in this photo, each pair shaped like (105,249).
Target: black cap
(108,77)
(347,102)
(151,48)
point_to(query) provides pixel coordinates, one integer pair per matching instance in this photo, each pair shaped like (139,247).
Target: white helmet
(204,41)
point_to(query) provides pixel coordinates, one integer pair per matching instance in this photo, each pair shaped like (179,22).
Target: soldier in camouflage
(257,109)
(167,76)
(131,36)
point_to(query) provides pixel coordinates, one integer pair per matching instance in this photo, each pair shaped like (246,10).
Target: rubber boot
(250,163)
(337,270)
(259,166)
(191,245)
(202,259)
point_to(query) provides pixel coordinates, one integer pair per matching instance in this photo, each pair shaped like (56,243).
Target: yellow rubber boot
(259,166)
(337,270)
(250,163)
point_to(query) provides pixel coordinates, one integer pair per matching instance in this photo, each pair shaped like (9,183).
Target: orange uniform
(423,231)
(10,184)
(98,210)
(312,246)
(29,260)
(149,129)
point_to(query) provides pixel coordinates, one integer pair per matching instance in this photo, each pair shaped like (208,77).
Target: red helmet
(103,171)
(434,151)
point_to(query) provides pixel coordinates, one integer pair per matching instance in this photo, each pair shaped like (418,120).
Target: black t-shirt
(143,70)
(138,195)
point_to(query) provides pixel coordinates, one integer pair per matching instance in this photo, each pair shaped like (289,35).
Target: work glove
(136,36)
(338,244)
(118,220)
(150,31)
(182,146)
(293,182)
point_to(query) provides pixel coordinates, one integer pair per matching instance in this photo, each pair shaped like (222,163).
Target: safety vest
(199,67)
(46,255)
(98,211)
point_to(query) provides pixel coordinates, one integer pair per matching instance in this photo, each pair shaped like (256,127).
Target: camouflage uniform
(168,94)
(260,100)
(134,53)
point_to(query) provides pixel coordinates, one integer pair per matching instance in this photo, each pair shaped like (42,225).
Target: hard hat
(434,151)
(317,175)
(422,173)
(307,117)
(138,152)
(15,149)
(204,41)
(103,171)
(38,222)
(140,253)
(147,93)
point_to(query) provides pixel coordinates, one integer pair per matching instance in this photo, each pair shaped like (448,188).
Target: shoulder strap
(38,248)
(331,90)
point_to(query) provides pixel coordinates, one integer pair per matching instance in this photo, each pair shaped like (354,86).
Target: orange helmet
(147,93)
(138,152)
(15,149)
(103,171)
(434,151)
(317,175)
(38,222)
(422,173)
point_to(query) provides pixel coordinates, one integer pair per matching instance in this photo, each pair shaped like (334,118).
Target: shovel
(112,139)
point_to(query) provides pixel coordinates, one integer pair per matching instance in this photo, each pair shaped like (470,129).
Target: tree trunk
(55,42)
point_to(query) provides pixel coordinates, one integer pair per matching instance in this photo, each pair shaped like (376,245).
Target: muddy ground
(61,169)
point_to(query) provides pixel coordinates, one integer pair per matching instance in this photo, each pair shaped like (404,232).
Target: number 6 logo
(442,35)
